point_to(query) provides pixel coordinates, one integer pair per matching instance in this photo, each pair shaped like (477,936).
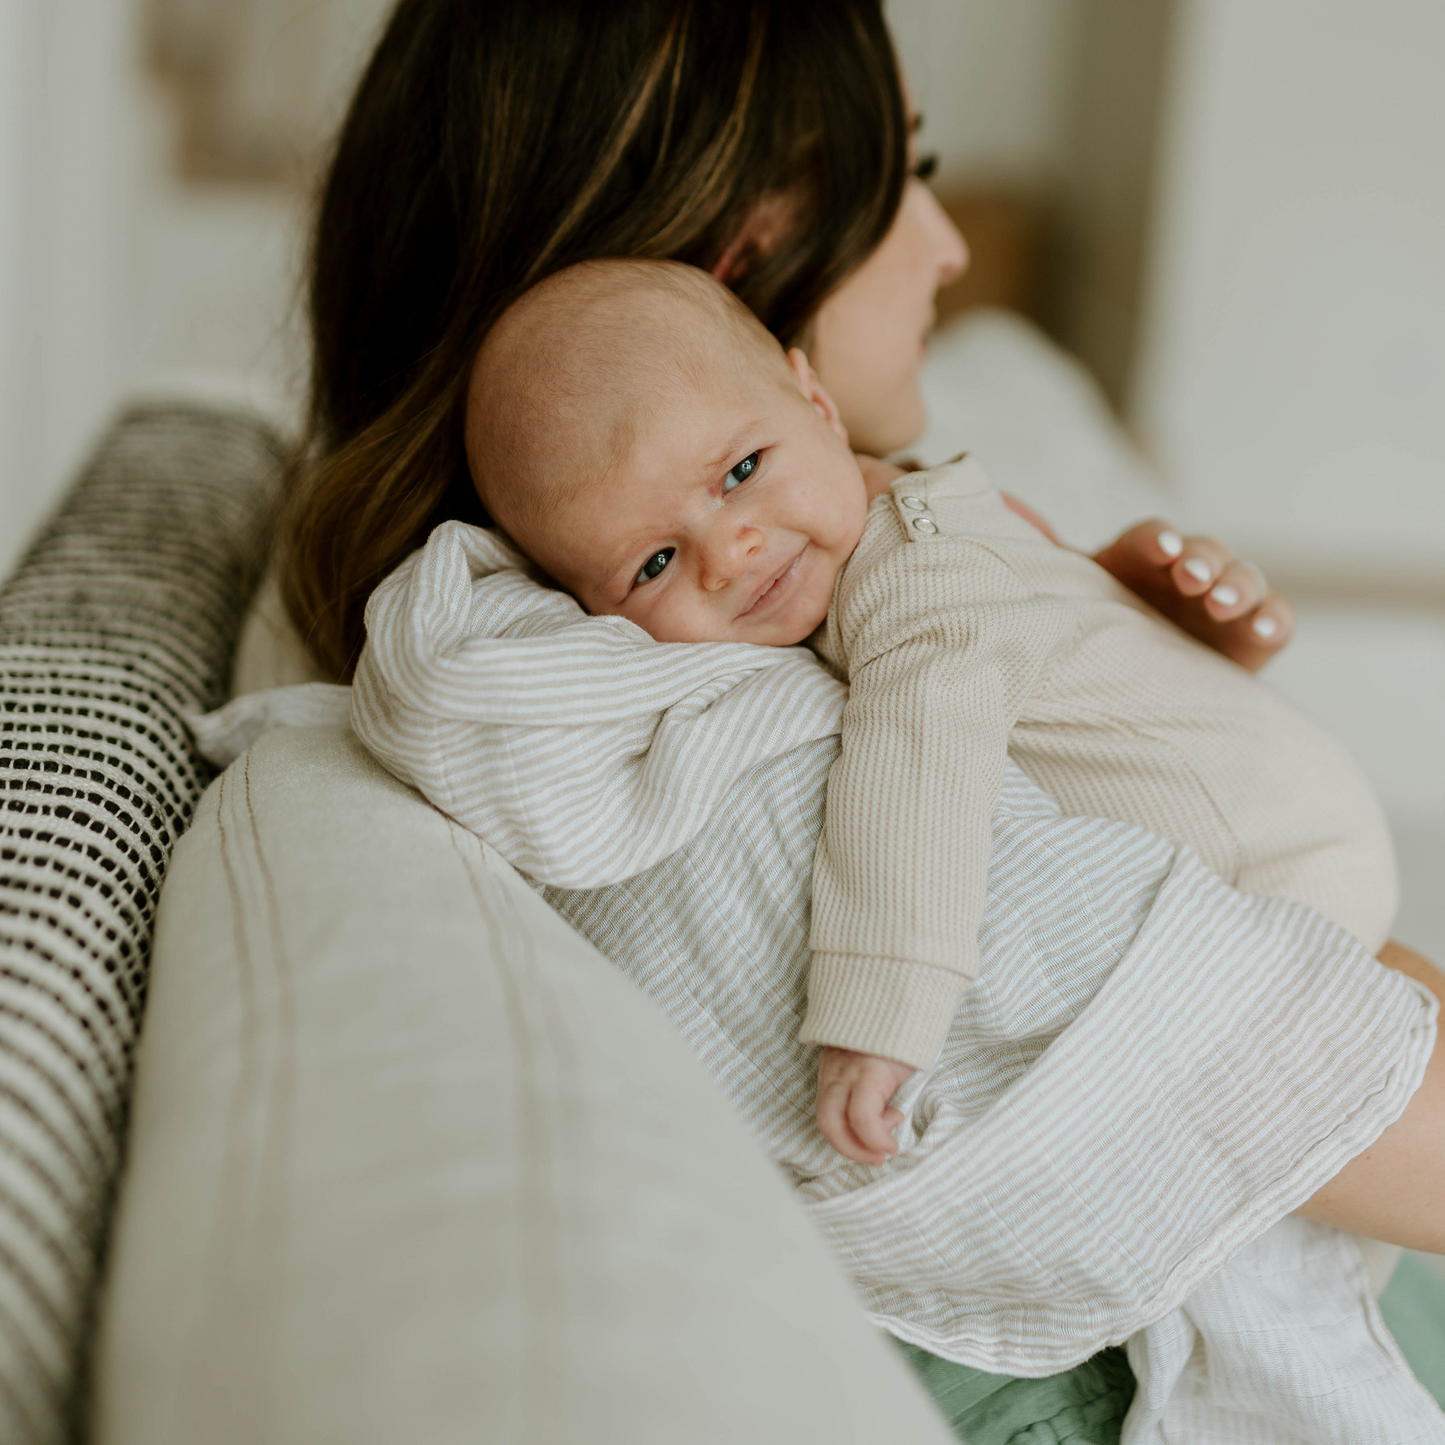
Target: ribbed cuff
(884,1006)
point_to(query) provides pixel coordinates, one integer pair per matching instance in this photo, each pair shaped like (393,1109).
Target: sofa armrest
(410,1160)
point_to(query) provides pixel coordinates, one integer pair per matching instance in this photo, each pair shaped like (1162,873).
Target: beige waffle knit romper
(965,635)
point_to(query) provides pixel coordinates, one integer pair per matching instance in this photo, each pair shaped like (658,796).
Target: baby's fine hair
(592,353)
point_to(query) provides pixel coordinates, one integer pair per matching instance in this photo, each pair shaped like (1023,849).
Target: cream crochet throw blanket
(1233,1057)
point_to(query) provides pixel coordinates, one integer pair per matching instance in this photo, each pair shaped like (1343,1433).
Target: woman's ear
(813,389)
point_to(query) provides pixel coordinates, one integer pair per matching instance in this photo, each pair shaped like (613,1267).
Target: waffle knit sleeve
(941,643)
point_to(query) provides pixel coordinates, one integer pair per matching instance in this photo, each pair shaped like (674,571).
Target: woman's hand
(853,1110)
(1198,584)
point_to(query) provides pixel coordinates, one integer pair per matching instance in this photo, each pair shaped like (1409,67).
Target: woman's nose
(950,249)
(725,552)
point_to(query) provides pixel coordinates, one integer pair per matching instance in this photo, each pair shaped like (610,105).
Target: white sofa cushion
(435,1171)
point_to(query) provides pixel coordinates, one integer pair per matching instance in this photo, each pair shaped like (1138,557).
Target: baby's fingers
(833,1122)
(873,1122)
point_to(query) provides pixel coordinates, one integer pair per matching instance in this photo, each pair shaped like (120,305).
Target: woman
(770,143)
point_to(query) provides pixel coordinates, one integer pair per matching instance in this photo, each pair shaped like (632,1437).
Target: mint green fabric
(1083,1406)
(1414,1309)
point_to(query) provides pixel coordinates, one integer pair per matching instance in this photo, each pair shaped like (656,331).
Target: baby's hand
(1199,585)
(853,1094)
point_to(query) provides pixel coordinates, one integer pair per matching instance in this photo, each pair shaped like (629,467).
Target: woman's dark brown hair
(493,142)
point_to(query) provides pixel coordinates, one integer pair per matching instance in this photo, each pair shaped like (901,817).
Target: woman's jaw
(869,338)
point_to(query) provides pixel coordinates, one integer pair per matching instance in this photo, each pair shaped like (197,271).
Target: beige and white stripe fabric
(581,749)
(1150,1073)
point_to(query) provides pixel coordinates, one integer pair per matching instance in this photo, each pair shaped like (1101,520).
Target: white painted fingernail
(1199,569)
(1225,595)
(1171,544)
(1265,627)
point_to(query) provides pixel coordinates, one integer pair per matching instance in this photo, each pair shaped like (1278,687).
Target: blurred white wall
(1292,376)
(116,279)
(992,78)
(1055,104)
(67,171)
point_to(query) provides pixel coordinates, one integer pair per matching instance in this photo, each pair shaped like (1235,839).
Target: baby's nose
(726,557)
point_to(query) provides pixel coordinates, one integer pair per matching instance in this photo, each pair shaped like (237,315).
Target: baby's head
(641,437)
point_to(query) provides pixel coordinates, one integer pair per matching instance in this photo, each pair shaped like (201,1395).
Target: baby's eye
(654,565)
(741,472)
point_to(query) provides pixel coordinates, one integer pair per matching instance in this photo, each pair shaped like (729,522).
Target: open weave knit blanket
(123,613)
(1152,1073)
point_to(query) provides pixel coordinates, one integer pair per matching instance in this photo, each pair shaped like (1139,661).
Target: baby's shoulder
(957,501)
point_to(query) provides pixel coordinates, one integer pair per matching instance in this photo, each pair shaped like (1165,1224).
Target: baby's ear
(814,390)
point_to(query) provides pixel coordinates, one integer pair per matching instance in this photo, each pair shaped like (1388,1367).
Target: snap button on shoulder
(914,504)
(926,525)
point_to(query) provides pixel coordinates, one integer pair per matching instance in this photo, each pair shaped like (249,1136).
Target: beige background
(1247,203)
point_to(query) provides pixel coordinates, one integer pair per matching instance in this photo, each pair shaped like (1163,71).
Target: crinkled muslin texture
(1151,1073)
(1152,1070)
(581,749)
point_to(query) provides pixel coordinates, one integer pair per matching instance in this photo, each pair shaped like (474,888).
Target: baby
(643,439)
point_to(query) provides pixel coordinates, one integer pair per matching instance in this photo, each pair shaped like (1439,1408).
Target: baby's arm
(1196,582)
(853,1111)
(942,642)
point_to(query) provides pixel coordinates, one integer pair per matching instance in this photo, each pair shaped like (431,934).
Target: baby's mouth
(773,591)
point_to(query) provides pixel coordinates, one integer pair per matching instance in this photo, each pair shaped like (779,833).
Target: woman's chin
(894,427)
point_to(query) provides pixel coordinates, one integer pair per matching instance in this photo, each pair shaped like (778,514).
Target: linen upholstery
(412,1161)
(123,612)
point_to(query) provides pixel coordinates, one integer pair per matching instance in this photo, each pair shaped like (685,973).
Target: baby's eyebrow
(706,471)
(725,454)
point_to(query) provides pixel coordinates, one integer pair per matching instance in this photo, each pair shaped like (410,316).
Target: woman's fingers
(1200,566)
(1142,555)
(1202,587)
(1241,617)
(1254,637)
(1238,589)
(1031,517)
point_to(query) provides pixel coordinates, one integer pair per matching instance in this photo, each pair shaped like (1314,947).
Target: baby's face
(728,520)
